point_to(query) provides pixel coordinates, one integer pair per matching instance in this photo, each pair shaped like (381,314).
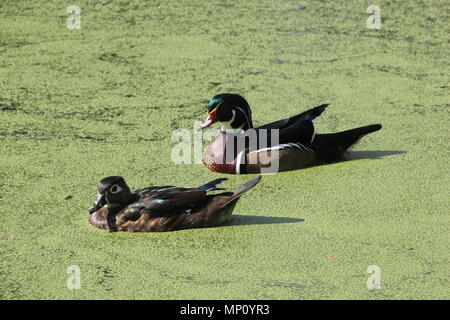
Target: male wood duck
(241,148)
(164,208)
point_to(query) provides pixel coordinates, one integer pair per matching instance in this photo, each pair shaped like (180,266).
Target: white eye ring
(114,189)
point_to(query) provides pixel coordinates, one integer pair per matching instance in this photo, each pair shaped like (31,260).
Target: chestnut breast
(102,219)
(215,157)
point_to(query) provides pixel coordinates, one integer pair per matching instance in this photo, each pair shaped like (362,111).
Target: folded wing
(310,114)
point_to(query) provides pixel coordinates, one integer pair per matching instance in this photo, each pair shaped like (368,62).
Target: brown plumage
(166,208)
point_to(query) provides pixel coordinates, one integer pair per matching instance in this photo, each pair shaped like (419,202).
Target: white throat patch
(226,125)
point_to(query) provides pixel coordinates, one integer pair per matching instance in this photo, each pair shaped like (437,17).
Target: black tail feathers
(330,147)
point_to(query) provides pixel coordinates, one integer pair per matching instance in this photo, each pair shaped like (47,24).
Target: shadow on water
(371,154)
(241,220)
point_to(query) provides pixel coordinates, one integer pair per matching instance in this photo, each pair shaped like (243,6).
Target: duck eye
(114,189)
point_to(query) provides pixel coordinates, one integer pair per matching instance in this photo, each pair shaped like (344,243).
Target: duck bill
(209,120)
(99,202)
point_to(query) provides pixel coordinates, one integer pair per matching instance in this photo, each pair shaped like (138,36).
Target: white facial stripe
(227,124)
(218,105)
(245,115)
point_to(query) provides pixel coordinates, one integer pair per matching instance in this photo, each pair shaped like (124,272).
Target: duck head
(231,110)
(114,192)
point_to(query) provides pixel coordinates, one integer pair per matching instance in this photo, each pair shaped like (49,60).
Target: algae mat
(80,104)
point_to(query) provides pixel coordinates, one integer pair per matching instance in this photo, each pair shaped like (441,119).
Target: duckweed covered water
(78,105)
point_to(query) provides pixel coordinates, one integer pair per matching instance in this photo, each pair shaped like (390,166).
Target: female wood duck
(283,145)
(165,208)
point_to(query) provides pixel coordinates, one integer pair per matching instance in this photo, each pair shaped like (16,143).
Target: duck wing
(169,191)
(165,205)
(310,114)
(210,186)
(169,200)
(300,132)
(154,191)
(174,213)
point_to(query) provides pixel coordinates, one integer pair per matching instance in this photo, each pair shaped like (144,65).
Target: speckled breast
(103,220)
(215,157)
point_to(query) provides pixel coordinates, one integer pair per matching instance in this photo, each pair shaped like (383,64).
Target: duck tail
(243,188)
(225,202)
(230,198)
(330,147)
